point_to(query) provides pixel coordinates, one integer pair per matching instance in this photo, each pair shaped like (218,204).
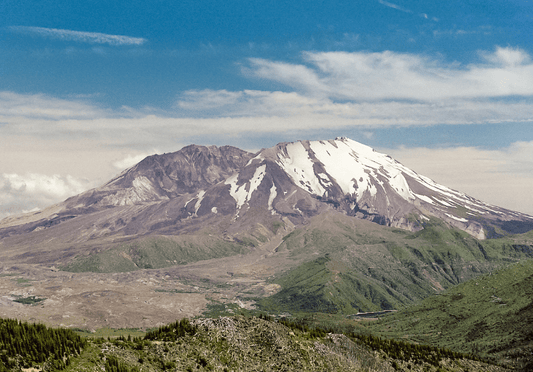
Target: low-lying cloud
(21,193)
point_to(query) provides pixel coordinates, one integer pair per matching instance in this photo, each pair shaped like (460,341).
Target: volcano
(231,190)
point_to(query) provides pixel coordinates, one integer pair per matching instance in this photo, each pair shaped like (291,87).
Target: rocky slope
(253,344)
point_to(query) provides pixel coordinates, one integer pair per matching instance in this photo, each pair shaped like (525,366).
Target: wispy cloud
(394,6)
(42,106)
(131,160)
(79,36)
(405,10)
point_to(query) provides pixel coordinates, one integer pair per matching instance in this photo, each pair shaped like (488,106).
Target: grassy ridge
(236,343)
(351,266)
(158,252)
(491,315)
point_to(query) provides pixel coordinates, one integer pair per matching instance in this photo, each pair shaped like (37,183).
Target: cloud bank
(20,193)
(79,36)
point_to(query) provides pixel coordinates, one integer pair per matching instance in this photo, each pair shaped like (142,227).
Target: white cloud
(394,6)
(42,106)
(79,36)
(388,75)
(508,57)
(219,106)
(20,193)
(131,160)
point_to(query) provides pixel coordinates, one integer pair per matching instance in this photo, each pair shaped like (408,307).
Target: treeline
(23,344)
(172,331)
(112,364)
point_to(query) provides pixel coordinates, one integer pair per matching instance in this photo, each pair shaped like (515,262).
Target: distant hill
(491,315)
(347,266)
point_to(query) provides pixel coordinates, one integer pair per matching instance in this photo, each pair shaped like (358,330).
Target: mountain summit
(231,190)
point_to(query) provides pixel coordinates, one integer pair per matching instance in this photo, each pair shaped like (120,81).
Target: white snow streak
(239,193)
(456,218)
(425,198)
(273,194)
(199,201)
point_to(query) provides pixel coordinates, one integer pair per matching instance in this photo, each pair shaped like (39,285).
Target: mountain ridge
(172,192)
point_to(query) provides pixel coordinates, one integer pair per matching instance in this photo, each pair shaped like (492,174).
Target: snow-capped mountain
(231,189)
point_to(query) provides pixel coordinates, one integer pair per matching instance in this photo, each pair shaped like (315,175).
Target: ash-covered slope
(231,191)
(167,176)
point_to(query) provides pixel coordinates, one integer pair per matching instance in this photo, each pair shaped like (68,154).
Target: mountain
(183,191)
(238,195)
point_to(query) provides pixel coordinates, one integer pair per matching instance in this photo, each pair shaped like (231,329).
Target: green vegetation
(30,300)
(349,266)
(22,281)
(317,287)
(23,345)
(491,315)
(154,253)
(173,331)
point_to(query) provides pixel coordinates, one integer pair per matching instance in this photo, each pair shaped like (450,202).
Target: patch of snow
(474,210)
(188,201)
(425,198)
(299,166)
(258,157)
(456,218)
(200,197)
(214,210)
(444,203)
(240,193)
(237,192)
(399,183)
(273,194)
(256,179)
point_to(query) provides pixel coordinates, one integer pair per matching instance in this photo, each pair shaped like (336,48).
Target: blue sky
(89,87)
